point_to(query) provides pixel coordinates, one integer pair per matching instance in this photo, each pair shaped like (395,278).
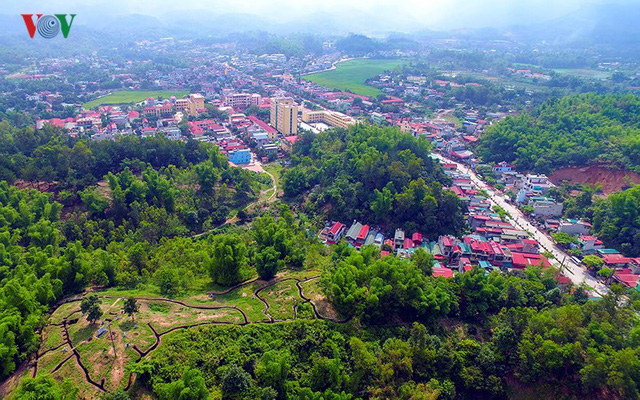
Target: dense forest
(379,176)
(573,131)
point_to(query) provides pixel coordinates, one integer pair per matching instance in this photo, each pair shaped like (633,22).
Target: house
(288,142)
(574,227)
(353,232)
(398,239)
(524,260)
(442,271)
(627,278)
(336,232)
(539,183)
(503,167)
(446,245)
(417,238)
(545,207)
(589,244)
(362,235)
(615,260)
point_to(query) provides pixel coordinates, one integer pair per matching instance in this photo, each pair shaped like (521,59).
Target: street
(575,272)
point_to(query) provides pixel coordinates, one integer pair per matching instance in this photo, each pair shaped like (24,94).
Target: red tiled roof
(262,124)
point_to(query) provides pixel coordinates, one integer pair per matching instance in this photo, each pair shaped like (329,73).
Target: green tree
(191,386)
(44,387)
(130,306)
(234,381)
(267,263)
(229,257)
(593,262)
(90,306)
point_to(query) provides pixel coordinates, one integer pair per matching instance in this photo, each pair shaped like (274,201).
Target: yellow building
(191,105)
(284,115)
(333,118)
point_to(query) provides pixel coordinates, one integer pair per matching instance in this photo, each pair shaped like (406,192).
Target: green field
(584,73)
(133,96)
(351,75)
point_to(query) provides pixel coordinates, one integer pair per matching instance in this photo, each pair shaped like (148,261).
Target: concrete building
(333,118)
(574,227)
(284,115)
(240,156)
(544,207)
(240,101)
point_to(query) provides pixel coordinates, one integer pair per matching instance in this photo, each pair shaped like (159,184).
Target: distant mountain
(605,25)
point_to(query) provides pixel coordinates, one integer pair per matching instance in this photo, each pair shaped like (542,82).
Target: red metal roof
(364,231)
(335,228)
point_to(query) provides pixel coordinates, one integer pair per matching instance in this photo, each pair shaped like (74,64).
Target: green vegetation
(616,221)
(352,75)
(519,326)
(376,175)
(573,131)
(133,96)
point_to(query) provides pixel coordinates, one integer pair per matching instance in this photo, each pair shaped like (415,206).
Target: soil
(612,180)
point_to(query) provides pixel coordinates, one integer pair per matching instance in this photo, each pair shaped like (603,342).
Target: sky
(401,15)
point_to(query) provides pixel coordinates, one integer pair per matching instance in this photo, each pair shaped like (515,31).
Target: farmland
(351,75)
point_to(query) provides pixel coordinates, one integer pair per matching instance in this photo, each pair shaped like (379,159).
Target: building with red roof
(442,271)
(336,232)
(524,260)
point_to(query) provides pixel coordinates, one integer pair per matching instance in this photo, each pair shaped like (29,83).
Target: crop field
(132,96)
(351,75)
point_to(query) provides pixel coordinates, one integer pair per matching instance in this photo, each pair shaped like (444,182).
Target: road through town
(573,271)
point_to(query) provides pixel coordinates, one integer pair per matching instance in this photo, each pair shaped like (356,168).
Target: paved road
(575,272)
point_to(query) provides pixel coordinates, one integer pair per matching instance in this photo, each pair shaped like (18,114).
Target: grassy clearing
(49,361)
(71,370)
(244,299)
(351,75)
(133,96)
(281,297)
(312,290)
(179,315)
(584,73)
(51,337)
(63,311)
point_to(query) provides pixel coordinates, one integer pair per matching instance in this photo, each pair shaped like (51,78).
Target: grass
(51,337)
(244,299)
(351,75)
(132,96)
(584,73)
(282,296)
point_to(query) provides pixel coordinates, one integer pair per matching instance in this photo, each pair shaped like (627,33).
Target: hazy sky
(396,13)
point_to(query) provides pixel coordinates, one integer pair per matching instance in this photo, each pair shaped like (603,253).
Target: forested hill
(573,131)
(380,176)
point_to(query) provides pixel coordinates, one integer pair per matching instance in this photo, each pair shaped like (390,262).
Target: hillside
(378,175)
(577,130)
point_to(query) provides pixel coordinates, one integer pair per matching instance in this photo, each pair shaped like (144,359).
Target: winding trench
(158,335)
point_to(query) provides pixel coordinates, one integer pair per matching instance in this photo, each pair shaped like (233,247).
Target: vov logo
(48,26)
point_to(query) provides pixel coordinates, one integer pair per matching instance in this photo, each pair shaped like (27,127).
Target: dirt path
(158,335)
